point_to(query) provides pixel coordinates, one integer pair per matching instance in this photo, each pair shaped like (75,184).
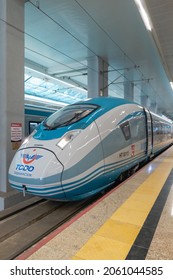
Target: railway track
(32,220)
(29,222)
(24,225)
(21,229)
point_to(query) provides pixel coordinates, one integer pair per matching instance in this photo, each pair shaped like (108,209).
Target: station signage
(16,135)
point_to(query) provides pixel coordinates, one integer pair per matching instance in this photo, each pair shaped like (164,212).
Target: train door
(149,132)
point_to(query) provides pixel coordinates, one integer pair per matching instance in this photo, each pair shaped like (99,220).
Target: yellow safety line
(117,235)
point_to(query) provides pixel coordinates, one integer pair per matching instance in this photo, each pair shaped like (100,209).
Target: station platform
(132,222)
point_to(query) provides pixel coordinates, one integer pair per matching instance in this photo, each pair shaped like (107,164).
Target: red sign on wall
(16,132)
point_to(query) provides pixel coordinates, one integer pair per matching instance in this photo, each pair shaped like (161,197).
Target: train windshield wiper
(68,115)
(76,116)
(46,125)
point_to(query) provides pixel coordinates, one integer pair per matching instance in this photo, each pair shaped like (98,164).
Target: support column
(97,77)
(153,107)
(159,111)
(144,101)
(11,89)
(129,91)
(128,85)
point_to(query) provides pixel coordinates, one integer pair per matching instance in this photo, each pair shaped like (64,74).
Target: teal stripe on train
(85,182)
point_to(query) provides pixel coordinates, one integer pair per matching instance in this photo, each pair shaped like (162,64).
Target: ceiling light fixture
(144,14)
(171,83)
(50,78)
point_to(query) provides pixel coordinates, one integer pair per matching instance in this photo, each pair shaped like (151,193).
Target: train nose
(37,171)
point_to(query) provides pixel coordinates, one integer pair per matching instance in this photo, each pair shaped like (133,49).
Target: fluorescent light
(144,14)
(50,78)
(171,83)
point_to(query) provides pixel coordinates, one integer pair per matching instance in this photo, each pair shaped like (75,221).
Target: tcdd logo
(22,167)
(27,159)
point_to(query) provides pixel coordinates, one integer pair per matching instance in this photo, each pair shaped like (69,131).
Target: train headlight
(67,138)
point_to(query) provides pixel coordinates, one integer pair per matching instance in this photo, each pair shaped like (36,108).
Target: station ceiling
(60,36)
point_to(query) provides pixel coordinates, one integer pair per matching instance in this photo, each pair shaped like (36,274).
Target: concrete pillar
(153,107)
(97,77)
(128,85)
(11,90)
(159,111)
(129,91)
(144,101)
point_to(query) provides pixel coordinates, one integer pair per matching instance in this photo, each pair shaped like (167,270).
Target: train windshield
(69,115)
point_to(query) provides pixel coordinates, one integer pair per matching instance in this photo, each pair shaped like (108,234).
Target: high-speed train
(83,148)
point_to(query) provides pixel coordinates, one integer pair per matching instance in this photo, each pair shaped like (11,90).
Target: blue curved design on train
(84,147)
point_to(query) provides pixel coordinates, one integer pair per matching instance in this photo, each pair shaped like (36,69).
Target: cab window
(69,115)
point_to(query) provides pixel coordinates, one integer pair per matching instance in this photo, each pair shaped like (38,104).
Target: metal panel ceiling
(60,35)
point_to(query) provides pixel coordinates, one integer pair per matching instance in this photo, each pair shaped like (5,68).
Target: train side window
(125,127)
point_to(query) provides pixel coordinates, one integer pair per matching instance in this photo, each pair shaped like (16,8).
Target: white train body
(83,148)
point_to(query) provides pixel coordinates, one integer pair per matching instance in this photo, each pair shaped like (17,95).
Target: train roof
(107,102)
